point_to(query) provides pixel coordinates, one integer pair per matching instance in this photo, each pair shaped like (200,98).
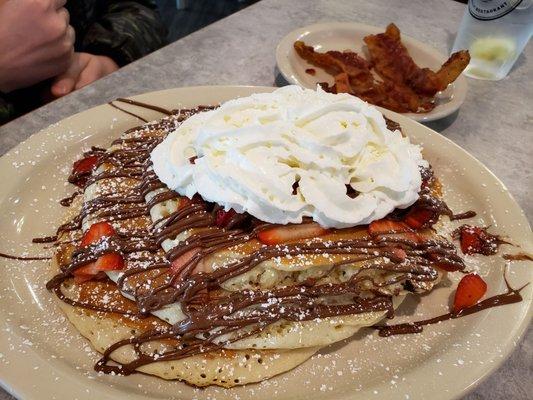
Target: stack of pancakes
(212,304)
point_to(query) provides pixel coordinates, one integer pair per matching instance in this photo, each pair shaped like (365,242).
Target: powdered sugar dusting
(35,334)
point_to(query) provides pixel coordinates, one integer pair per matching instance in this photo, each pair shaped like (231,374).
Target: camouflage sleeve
(7,111)
(124,30)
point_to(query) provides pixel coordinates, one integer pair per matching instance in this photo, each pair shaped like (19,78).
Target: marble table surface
(494,123)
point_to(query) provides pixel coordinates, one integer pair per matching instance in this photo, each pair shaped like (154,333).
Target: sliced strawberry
(80,278)
(81,170)
(96,232)
(386,226)
(471,240)
(87,270)
(419,217)
(427,178)
(445,264)
(449,267)
(179,263)
(402,237)
(106,262)
(184,202)
(110,262)
(85,165)
(477,240)
(285,233)
(470,289)
(222,217)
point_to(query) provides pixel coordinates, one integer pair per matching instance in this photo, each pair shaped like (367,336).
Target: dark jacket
(124,30)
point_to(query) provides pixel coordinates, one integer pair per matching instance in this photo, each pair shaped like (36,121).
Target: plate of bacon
(384,68)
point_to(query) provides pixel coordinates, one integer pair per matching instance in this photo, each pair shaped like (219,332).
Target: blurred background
(182,17)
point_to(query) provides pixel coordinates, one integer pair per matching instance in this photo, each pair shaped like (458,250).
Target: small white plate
(349,36)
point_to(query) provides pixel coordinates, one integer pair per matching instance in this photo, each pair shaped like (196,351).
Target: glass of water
(495,32)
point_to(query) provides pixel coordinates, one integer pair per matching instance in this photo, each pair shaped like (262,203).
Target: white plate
(349,36)
(42,357)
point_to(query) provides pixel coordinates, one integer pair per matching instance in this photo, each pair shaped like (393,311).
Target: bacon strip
(392,62)
(400,84)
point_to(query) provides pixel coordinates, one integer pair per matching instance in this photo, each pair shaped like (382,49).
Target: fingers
(66,82)
(70,37)
(59,3)
(91,73)
(64,14)
(60,49)
(48,4)
(65,45)
(84,69)
(63,84)
(98,67)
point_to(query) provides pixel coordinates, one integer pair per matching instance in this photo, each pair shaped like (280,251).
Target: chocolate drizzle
(22,258)
(293,303)
(175,276)
(145,105)
(112,104)
(475,239)
(213,320)
(517,257)
(138,104)
(430,203)
(465,215)
(509,297)
(45,239)
(67,201)
(79,178)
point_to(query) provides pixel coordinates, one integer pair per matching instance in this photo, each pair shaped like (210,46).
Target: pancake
(211,304)
(226,368)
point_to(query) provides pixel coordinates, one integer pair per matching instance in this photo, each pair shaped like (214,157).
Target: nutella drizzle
(509,297)
(112,104)
(186,286)
(67,201)
(223,320)
(80,178)
(429,202)
(45,239)
(517,257)
(485,243)
(145,105)
(22,258)
(465,215)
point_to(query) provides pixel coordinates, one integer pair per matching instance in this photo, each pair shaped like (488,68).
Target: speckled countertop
(494,123)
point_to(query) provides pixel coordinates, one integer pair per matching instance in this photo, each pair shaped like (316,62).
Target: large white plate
(349,36)
(43,357)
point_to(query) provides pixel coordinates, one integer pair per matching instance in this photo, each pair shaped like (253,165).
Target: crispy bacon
(353,75)
(402,86)
(322,60)
(392,62)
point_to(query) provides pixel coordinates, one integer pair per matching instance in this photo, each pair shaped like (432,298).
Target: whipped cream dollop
(292,153)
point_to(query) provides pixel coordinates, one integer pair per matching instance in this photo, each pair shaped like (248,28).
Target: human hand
(84,69)
(36,41)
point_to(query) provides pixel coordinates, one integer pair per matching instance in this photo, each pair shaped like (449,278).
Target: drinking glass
(495,32)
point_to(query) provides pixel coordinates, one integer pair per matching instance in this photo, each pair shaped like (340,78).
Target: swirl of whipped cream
(252,152)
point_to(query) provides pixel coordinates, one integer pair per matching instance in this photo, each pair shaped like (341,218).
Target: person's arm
(116,33)
(6,110)
(124,30)
(36,42)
